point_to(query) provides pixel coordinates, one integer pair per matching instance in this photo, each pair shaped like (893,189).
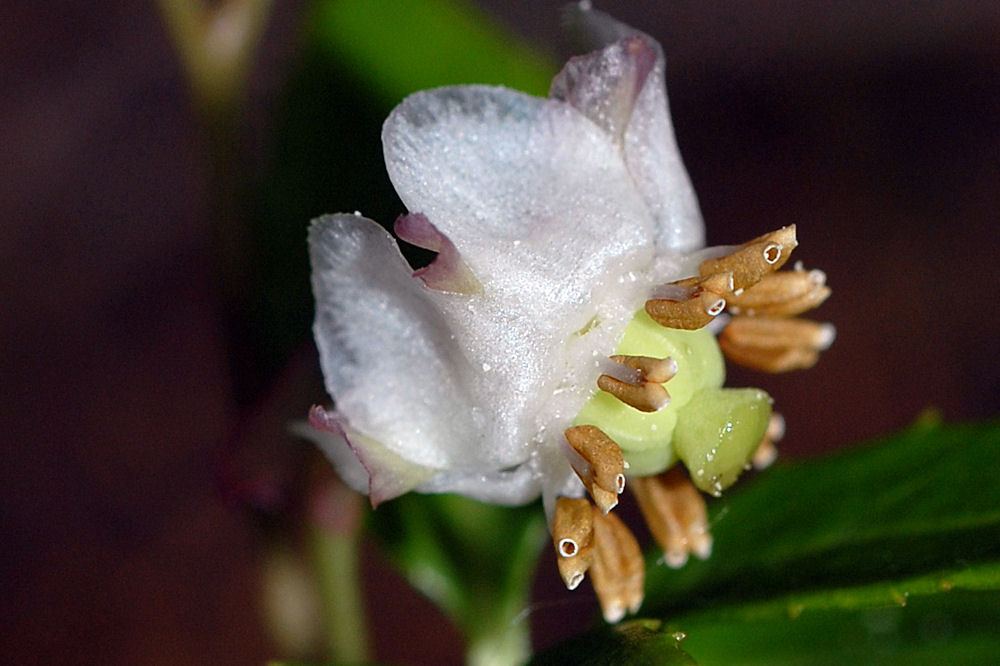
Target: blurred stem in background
(335,513)
(312,596)
(216,43)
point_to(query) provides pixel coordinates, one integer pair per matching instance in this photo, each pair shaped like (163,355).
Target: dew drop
(716,487)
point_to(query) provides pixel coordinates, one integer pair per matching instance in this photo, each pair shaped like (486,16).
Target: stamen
(604,472)
(769,360)
(777,333)
(650,369)
(644,396)
(773,344)
(617,571)
(572,534)
(782,294)
(719,283)
(767,452)
(701,307)
(754,259)
(676,515)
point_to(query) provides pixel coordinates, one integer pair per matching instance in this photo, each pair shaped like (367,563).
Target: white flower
(555,220)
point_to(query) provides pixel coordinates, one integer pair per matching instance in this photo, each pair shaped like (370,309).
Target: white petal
(538,202)
(535,197)
(387,354)
(601,85)
(511,487)
(655,162)
(364,464)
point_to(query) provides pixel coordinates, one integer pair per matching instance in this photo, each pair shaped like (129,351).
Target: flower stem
(216,44)
(505,645)
(335,543)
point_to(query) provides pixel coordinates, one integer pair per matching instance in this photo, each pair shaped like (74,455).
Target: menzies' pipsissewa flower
(563,341)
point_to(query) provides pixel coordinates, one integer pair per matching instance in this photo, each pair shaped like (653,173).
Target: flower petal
(604,85)
(535,197)
(623,89)
(447,272)
(386,351)
(364,464)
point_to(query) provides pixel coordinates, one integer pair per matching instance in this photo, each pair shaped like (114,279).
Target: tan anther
(644,396)
(775,344)
(696,311)
(603,471)
(717,283)
(754,259)
(782,294)
(650,369)
(779,333)
(770,360)
(676,515)
(767,452)
(572,536)
(617,570)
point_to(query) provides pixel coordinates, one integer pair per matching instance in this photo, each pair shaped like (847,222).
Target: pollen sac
(572,536)
(782,294)
(617,571)
(651,369)
(676,515)
(603,468)
(698,302)
(750,262)
(773,344)
(647,394)
(767,452)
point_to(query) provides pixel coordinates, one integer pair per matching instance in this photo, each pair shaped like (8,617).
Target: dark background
(875,129)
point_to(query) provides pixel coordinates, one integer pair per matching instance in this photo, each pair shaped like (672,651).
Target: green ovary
(713,430)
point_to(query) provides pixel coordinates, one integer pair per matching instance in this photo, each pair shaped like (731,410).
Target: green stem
(505,645)
(216,45)
(336,557)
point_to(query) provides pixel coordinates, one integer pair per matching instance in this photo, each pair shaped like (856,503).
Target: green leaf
(633,642)
(959,627)
(889,553)
(474,560)
(923,500)
(400,46)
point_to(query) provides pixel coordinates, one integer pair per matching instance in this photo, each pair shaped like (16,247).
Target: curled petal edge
(388,474)
(447,272)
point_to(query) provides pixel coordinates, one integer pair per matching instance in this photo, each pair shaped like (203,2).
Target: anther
(778,333)
(782,294)
(603,471)
(754,259)
(767,452)
(572,535)
(689,315)
(676,515)
(617,572)
(769,360)
(774,344)
(644,396)
(650,369)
